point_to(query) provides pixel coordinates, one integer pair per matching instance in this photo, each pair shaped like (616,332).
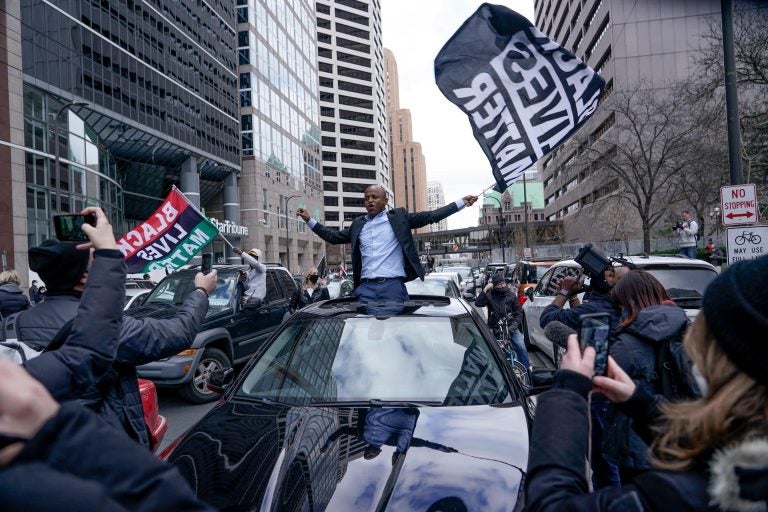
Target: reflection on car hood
(271,457)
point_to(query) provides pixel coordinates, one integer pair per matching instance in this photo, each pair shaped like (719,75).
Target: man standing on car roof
(384,256)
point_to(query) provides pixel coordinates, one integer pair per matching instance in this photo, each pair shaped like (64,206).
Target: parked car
(525,274)
(135,297)
(684,279)
(438,422)
(468,281)
(434,284)
(156,425)
(229,334)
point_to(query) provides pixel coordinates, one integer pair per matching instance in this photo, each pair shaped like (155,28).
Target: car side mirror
(529,294)
(541,380)
(468,296)
(253,304)
(220,380)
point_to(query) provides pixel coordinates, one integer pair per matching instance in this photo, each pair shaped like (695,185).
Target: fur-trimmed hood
(739,477)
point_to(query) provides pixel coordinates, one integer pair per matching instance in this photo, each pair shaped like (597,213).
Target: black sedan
(404,407)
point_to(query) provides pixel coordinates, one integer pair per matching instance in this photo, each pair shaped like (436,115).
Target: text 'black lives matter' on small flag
(169,238)
(523,93)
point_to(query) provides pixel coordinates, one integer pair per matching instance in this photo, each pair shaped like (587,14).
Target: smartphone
(594,332)
(207,266)
(68,227)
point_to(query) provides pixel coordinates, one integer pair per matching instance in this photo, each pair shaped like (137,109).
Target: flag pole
(191,205)
(486,189)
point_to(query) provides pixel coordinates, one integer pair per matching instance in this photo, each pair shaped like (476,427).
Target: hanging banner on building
(523,93)
(169,238)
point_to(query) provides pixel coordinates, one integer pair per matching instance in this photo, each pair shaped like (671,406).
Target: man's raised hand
(304,214)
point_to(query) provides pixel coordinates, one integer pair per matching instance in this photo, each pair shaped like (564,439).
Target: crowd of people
(617,441)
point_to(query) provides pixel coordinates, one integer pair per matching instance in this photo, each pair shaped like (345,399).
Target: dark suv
(229,334)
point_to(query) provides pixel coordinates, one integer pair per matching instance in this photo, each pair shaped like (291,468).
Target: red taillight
(521,298)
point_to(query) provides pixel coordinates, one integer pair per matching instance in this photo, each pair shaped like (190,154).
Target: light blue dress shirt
(381,253)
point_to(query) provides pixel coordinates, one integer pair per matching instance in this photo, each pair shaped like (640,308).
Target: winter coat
(12,299)
(116,397)
(688,233)
(500,305)
(634,348)
(598,302)
(557,477)
(90,349)
(77,463)
(301,298)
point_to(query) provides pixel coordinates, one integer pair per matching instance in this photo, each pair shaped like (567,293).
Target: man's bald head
(375,199)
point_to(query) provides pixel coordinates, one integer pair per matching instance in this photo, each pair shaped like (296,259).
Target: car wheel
(195,391)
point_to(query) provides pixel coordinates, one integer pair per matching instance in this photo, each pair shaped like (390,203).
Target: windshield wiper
(375,402)
(264,400)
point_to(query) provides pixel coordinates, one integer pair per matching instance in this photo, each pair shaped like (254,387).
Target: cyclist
(503,304)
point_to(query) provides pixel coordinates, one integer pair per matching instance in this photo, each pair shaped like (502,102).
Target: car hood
(154,311)
(268,457)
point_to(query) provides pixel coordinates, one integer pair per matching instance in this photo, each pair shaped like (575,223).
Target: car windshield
(464,272)
(536,271)
(418,359)
(684,285)
(175,288)
(429,287)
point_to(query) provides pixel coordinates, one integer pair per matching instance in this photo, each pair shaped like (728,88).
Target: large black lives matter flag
(524,94)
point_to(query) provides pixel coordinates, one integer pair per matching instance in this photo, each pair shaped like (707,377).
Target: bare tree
(639,159)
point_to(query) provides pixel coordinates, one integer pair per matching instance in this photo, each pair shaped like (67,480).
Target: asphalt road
(180,415)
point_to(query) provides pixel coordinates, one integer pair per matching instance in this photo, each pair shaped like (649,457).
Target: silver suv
(684,279)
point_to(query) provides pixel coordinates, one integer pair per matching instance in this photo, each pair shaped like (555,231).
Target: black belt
(380,279)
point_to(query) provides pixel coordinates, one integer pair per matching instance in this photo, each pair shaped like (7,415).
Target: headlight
(188,352)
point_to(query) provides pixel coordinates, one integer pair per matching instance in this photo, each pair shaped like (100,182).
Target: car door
(257,323)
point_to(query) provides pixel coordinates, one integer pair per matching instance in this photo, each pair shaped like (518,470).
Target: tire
(195,391)
(521,372)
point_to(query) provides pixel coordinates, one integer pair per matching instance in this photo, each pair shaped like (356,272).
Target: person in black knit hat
(709,453)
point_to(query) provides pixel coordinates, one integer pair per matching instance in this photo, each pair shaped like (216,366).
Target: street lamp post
(57,164)
(502,237)
(288,232)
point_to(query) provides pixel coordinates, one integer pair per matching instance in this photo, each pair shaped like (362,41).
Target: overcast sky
(415,30)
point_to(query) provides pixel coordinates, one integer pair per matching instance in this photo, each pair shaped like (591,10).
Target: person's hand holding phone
(206,281)
(101,236)
(577,362)
(616,385)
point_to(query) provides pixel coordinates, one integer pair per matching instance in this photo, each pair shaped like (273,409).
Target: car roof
(426,305)
(648,261)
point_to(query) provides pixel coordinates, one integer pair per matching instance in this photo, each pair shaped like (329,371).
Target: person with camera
(707,453)
(69,271)
(503,304)
(687,229)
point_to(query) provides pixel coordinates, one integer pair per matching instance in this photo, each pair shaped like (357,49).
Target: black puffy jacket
(557,477)
(117,398)
(634,348)
(12,299)
(499,305)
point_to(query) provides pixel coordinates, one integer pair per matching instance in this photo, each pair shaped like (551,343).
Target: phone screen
(68,227)
(207,266)
(595,331)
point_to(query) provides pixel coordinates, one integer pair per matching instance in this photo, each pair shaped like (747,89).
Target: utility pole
(731,94)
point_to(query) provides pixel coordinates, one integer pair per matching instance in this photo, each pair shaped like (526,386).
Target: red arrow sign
(747,215)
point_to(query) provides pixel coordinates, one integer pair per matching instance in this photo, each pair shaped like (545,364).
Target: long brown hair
(734,408)
(636,291)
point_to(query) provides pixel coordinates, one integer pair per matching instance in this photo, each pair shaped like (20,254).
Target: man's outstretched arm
(421,219)
(329,235)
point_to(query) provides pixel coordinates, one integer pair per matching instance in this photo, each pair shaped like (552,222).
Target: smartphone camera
(207,266)
(69,227)
(595,333)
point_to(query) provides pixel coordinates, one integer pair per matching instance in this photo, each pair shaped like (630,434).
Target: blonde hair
(307,273)
(734,408)
(10,276)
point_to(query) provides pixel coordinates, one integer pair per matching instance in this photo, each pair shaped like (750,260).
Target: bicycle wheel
(740,237)
(521,372)
(756,239)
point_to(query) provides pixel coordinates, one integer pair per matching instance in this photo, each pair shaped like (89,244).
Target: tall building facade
(280,130)
(352,105)
(407,166)
(626,42)
(111,104)
(436,199)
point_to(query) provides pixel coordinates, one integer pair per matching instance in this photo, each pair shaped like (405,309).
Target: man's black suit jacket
(402,223)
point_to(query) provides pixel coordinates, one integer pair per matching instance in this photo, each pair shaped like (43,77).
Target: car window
(273,291)
(175,289)
(558,274)
(289,285)
(541,288)
(403,358)
(429,287)
(536,271)
(684,285)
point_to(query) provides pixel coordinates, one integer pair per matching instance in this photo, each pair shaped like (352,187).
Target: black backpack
(673,370)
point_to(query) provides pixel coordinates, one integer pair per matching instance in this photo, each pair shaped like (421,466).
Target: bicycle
(747,236)
(504,341)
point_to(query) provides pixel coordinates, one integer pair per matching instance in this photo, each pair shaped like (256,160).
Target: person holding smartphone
(649,317)
(708,453)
